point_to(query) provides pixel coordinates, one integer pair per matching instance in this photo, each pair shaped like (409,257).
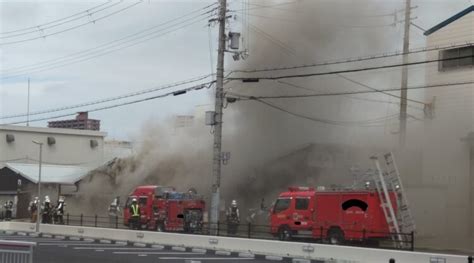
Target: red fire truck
(333,215)
(162,208)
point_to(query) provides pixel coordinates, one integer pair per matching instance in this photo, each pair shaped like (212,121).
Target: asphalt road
(51,250)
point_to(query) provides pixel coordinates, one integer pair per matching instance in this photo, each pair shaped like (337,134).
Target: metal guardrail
(16,251)
(253,231)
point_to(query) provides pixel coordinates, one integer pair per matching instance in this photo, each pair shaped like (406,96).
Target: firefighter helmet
(234,203)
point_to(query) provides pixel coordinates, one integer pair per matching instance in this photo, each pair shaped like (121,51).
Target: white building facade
(447,195)
(60,146)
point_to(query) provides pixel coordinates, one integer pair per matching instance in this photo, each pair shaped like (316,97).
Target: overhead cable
(362,123)
(70,28)
(172,93)
(128,95)
(305,75)
(42,28)
(39,27)
(111,46)
(357,59)
(437,85)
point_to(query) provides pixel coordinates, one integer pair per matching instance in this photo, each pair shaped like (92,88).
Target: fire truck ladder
(406,221)
(401,222)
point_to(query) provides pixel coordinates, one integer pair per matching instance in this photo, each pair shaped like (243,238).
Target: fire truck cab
(332,215)
(164,209)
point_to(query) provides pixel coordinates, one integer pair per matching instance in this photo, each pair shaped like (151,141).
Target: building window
(466,58)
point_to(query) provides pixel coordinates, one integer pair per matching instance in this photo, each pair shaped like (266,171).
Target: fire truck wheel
(284,233)
(335,236)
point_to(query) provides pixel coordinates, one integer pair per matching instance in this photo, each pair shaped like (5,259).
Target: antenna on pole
(28,106)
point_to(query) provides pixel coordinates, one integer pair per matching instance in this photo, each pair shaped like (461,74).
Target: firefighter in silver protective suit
(233,218)
(59,211)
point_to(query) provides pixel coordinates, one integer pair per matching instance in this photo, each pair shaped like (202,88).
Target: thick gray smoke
(166,156)
(272,149)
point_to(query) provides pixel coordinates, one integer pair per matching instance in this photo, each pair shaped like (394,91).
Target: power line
(54,21)
(173,93)
(348,70)
(292,52)
(273,39)
(104,49)
(128,95)
(358,83)
(381,91)
(356,59)
(349,96)
(42,28)
(440,85)
(363,123)
(71,28)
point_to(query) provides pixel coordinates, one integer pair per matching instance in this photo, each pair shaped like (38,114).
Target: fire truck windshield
(281,205)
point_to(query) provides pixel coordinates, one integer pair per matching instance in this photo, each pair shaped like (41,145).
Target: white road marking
(76,244)
(153,253)
(193,258)
(123,248)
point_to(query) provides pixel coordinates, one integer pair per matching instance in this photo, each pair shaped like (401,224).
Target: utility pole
(38,208)
(404,91)
(28,106)
(219,105)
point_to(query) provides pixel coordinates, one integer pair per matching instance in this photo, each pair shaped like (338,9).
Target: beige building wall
(71,146)
(443,205)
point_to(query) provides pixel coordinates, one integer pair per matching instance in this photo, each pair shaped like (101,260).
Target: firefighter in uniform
(134,214)
(233,218)
(8,210)
(46,209)
(59,211)
(33,209)
(114,211)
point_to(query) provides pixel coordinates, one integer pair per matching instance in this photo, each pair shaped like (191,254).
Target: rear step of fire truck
(402,222)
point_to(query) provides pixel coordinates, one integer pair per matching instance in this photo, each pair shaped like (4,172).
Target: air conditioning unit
(10,138)
(51,141)
(94,143)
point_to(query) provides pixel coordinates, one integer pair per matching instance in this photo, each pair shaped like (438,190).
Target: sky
(180,54)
